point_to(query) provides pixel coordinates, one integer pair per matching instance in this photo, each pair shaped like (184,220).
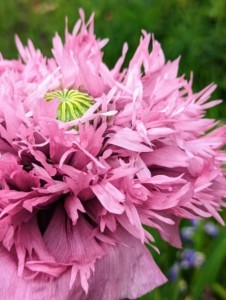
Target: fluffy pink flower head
(88,156)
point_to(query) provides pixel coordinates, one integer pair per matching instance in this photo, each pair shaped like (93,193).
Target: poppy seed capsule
(73,103)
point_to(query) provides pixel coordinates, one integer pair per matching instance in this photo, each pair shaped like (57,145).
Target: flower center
(73,104)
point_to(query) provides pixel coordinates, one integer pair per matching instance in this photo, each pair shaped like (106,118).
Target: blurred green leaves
(207,275)
(205,283)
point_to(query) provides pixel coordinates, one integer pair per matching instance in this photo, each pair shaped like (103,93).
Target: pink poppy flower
(87,156)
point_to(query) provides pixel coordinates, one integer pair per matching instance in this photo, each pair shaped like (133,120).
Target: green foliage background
(196,30)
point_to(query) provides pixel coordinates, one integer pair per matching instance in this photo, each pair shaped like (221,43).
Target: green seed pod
(73,104)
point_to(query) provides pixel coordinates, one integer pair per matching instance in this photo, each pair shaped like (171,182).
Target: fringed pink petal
(127,271)
(80,250)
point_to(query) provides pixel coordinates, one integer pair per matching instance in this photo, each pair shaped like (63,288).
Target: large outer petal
(13,287)
(126,271)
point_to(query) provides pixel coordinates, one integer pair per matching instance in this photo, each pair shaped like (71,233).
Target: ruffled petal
(125,271)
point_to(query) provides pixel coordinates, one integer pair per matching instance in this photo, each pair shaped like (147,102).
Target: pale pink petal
(168,156)
(128,139)
(109,197)
(171,233)
(130,272)
(72,204)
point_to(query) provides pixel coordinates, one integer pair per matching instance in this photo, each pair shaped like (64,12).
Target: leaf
(208,273)
(219,290)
